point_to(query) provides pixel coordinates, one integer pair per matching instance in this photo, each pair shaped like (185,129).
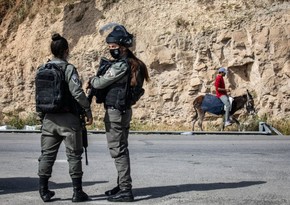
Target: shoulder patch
(75,79)
(110,74)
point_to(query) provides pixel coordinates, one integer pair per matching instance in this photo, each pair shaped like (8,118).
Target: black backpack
(50,88)
(131,94)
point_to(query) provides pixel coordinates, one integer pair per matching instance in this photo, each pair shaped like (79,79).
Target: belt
(114,108)
(110,107)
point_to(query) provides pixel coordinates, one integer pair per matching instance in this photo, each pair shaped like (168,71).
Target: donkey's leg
(194,119)
(197,114)
(201,114)
(197,107)
(223,124)
(223,127)
(237,122)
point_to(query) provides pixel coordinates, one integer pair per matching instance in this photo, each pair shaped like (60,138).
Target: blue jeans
(226,101)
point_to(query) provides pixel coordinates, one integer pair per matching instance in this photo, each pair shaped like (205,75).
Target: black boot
(113,191)
(45,194)
(79,195)
(122,196)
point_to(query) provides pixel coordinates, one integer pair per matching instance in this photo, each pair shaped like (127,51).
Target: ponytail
(136,64)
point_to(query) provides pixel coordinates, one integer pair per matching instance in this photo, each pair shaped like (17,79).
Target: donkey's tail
(195,103)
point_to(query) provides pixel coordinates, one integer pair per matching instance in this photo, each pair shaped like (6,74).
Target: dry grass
(155,126)
(282,125)
(20,10)
(251,125)
(5,7)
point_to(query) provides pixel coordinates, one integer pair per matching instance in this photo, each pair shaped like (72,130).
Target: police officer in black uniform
(64,126)
(120,75)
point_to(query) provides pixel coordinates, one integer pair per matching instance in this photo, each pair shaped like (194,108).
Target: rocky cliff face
(183,43)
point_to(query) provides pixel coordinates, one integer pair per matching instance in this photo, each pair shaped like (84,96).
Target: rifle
(100,93)
(92,93)
(84,136)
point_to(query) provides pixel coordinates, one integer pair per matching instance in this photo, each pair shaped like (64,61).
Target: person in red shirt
(221,92)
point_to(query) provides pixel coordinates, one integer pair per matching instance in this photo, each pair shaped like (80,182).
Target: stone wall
(183,43)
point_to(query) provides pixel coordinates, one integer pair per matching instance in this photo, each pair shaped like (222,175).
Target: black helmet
(120,36)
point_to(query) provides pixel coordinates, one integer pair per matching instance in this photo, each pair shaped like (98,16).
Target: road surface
(166,169)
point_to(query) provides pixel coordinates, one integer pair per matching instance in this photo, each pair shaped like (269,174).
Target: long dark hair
(136,64)
(58,45)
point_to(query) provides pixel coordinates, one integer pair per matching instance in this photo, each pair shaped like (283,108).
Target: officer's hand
(89,121)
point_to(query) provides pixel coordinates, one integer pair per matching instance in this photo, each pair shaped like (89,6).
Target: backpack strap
(62,66)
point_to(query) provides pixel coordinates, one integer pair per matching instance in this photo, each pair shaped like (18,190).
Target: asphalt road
(166,169)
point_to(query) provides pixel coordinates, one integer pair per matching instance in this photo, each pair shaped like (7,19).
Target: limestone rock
(183,43)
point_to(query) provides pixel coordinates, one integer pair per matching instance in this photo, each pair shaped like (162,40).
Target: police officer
(64,126)
(118,109)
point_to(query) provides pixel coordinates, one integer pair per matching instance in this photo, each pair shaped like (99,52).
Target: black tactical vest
(118,93)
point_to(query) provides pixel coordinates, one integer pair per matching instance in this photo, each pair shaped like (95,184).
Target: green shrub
(18,123)
(252,124)
(282,126)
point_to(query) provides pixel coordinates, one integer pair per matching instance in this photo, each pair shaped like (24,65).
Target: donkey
(237,104)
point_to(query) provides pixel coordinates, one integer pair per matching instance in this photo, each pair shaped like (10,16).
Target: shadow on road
(161,191)
(27,184)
